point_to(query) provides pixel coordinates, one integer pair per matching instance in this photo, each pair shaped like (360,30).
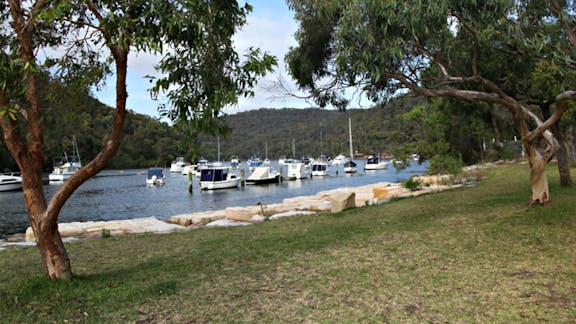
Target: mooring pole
(190,189)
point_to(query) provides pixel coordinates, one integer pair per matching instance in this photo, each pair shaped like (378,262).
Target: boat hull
(215,185)
(59,177)
(379,166)
(10,183)
(350,169)
(275,179)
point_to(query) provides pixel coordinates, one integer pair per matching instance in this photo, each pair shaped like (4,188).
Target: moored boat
(375,163)
(10,181)
(320,167)
(263,175)
(234,162)
(155,176)
(213,178)
(296,170)
(253,163)
(350,167)
(67,165)
(178,165)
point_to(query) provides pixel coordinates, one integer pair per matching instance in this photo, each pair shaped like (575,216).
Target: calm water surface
(114,194)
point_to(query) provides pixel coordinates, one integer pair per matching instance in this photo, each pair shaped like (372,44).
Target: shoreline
(329,201)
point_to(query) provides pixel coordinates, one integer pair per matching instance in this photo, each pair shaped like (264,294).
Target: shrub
(412,184)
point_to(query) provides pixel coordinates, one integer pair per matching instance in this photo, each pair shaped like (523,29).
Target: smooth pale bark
(538,180)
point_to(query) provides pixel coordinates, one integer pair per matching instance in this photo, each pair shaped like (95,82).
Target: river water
(114,194)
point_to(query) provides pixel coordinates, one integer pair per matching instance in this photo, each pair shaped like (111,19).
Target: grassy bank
(469,255)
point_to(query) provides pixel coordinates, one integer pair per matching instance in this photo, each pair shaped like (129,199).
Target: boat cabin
(214,174)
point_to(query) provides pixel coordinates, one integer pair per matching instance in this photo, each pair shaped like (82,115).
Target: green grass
(468,255)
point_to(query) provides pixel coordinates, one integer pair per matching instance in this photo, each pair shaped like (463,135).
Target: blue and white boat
(155,177)
(234,162)
(213,178)
(253,163)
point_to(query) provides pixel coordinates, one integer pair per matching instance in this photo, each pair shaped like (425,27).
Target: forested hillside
(315,131)
(150,142)
(69,113)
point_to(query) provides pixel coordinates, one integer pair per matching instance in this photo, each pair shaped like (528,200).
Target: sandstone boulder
(241,214)
(342,201)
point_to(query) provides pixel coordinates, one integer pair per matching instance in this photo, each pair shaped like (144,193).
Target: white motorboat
(178,165)
(262,175)
(375,163)
(297,170)
(213,178)
(10,182)
(67,165)
(320,168)
(155,177)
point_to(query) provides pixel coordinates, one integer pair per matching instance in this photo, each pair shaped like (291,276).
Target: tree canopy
(79,42)
(467,50)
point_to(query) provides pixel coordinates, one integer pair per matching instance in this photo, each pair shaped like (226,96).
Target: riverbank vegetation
(474,254)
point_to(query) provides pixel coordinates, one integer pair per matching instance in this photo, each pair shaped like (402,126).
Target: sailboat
(266,161)
(350,166)
(67,165)
(218,162)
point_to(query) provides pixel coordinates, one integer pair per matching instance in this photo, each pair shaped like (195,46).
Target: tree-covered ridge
(400,125)
(147,141)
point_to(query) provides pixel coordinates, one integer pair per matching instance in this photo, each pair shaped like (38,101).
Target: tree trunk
(54,256)
(563,162)
(538,180)
(562,150)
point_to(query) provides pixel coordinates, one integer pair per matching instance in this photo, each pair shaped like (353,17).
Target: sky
(270,26)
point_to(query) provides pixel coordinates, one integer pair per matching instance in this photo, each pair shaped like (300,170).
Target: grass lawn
(475,254)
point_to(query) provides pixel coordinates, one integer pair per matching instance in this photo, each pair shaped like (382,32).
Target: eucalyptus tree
(82,41)
(467,50)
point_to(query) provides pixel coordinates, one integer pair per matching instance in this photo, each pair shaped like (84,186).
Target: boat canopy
(212,174)
(373,160)
(350,164)
(158,172)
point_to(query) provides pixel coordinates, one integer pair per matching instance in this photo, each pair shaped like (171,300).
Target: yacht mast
(350,135)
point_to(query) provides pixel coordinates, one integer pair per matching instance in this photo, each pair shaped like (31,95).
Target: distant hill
(149,142)
(315,131)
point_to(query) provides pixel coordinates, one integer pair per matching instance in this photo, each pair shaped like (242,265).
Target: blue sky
(270,27)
